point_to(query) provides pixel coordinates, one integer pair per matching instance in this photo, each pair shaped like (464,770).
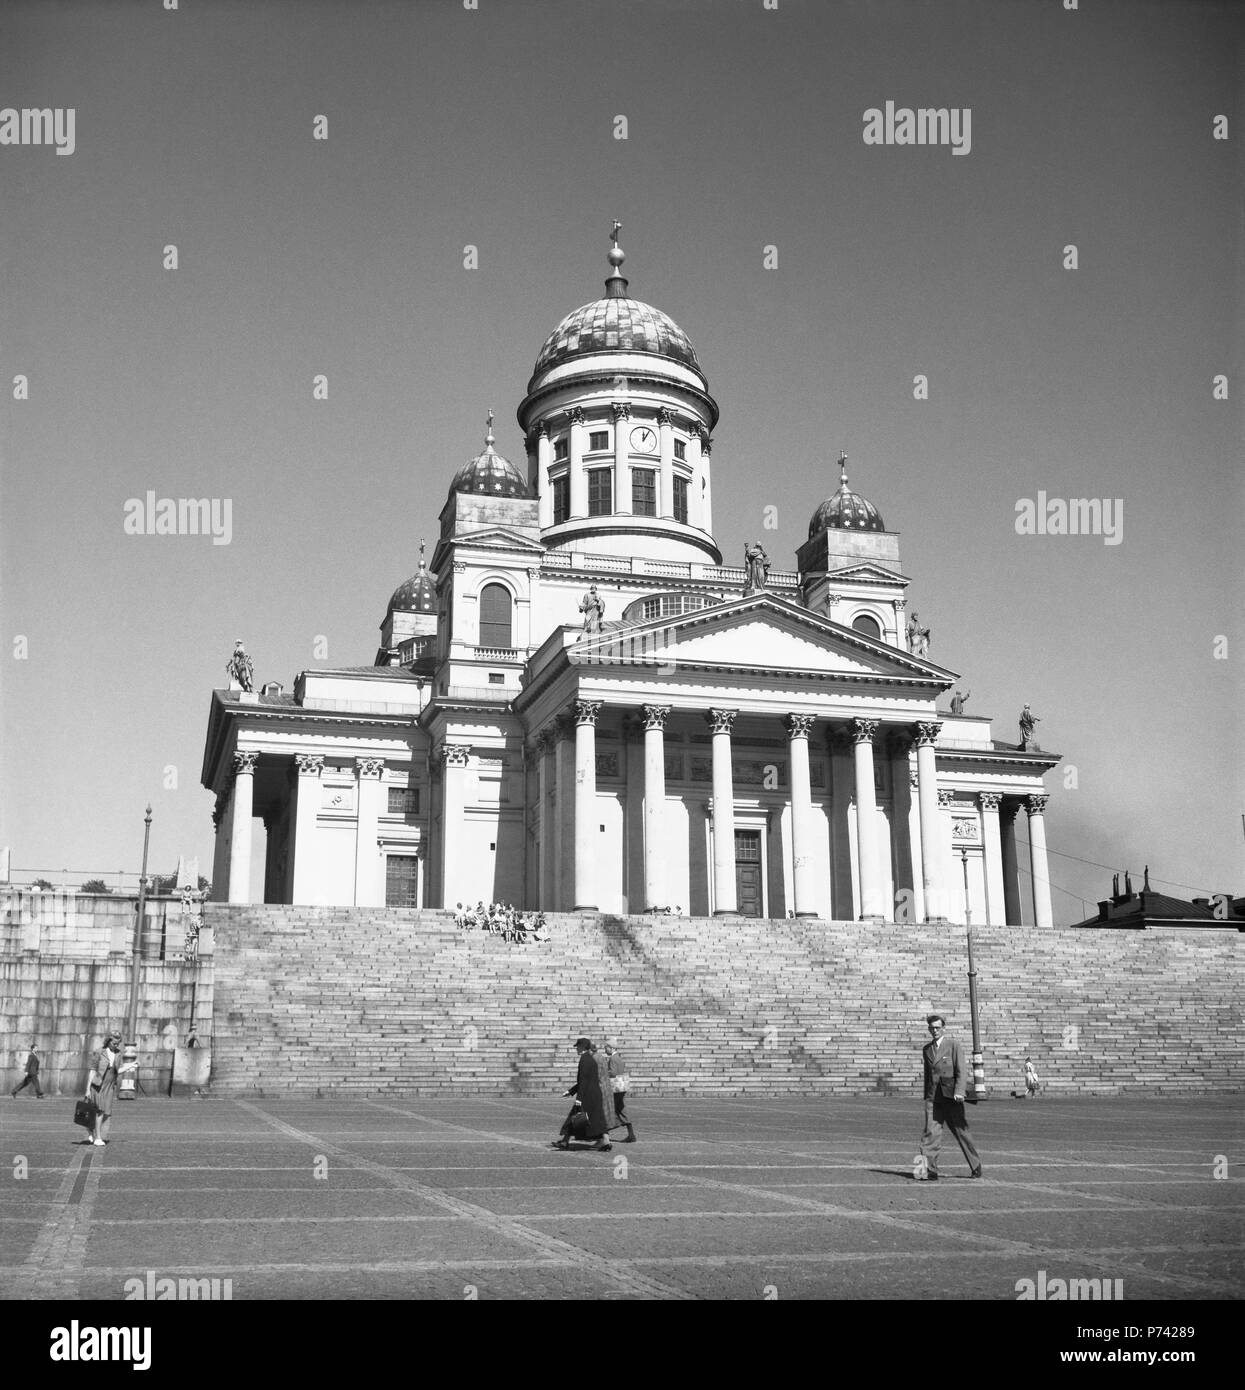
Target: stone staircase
(352,1002)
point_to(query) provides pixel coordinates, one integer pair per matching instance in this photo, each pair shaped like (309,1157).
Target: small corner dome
(416,595)
(845,510)
(490,473)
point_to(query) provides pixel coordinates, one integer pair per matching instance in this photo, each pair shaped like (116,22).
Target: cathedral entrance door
(748,872)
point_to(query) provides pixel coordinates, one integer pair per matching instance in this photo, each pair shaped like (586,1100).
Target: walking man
(946,1082)
(32,1074)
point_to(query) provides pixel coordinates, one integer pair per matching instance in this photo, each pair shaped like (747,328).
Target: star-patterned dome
(846,510)
(417,594)
(490,473)
(616,323)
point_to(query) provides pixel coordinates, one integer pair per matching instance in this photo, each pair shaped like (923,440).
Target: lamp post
(979,1065)
(129,1068)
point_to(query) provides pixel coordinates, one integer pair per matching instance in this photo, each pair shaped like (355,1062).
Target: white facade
(713,747)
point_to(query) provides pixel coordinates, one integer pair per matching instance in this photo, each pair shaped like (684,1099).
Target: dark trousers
(620,1108)
(30,1079)
(941,1111)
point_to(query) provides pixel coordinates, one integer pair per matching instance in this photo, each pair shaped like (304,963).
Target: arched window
(495,616)
(867,625)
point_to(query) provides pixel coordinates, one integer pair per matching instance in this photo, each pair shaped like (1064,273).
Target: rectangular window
(561,448)
(680,448)
(680,500)
(403,801)
(644,491)
(561,499)
(599,439)
(600,492)
(401,880)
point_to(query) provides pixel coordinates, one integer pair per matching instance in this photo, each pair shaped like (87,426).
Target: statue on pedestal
(756,567)
(958,701)
(918,636)
(240,668)
(1028,744)
(592,606)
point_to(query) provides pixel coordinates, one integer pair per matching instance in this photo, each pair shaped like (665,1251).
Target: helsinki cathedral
(577,706)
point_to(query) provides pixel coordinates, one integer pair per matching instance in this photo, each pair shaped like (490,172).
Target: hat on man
(583,1042)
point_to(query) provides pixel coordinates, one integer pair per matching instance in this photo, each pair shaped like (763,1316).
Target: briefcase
(84,1113)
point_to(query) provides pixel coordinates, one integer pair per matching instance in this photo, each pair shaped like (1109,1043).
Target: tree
(42,883)
(94,885)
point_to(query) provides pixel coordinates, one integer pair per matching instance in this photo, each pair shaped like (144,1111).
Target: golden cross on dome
(488,437)
(614,233)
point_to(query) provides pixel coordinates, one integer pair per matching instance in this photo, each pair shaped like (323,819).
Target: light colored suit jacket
(946,1072)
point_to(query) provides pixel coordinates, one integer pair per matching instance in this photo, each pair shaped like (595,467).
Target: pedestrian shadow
(894,1173)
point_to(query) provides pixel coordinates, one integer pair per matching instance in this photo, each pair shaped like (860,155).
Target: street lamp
(129,1066)
(979,1065)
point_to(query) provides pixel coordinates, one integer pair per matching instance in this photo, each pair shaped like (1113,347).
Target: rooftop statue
(959,700)
(240,668)
(1028,744)
(592,606)
(918,636)
(756,568)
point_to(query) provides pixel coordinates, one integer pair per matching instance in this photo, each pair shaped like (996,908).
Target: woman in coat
(592,1087)
(101,1086)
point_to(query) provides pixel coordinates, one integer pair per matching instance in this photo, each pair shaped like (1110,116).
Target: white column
(992,846)
(914,847)
(695,495)
(933,885)
(949,861)
(587,837)
(622,483)
(804,879)
(548,827)
(665,504)
(306,808)
(655,847)
(1042,916)
(579,478)
(725,893)
(1011,869)
(456,874)
(367,890)
(564,813)
(544,457)
(240,840)
(706,449)
(871,903)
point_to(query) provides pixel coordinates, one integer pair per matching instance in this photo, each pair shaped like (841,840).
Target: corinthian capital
(576,415)
(586,711)
(720,720)
(927,734)
(244,763)
(991,801)
(369,767)
(798,725)
(1036,805)
(453,754)
(863,730)
(654,716)
(309,764)
(621,410)
(664,416)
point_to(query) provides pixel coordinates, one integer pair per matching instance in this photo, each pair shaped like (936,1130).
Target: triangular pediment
(762,634)
(868,572)
(498,538)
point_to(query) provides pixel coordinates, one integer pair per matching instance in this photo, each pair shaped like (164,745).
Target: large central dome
(616,325)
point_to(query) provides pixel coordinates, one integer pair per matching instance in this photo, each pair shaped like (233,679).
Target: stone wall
(371,1002)
(65,962)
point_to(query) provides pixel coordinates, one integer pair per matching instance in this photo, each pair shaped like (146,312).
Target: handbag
(84,1113)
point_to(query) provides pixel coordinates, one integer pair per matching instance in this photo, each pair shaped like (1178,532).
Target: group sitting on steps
(504,920)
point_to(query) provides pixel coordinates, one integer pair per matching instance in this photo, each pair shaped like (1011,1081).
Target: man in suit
(946,1084)
(32,1074)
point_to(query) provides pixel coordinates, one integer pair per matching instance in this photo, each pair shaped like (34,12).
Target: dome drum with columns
(575,704)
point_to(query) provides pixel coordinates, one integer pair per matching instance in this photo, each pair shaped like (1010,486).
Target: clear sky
(495,127)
